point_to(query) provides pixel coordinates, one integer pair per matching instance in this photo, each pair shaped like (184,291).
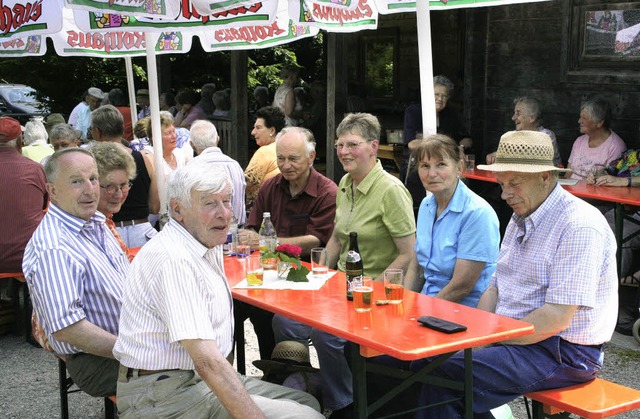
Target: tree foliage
(63,80)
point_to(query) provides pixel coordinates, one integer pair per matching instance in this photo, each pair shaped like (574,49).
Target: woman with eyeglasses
(132,221)
(377,206)
(116,171)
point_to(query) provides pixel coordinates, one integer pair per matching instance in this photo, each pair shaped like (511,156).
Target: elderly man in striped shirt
(176,327)
(75,269)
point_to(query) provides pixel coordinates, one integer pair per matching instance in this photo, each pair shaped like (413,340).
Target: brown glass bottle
(353,266)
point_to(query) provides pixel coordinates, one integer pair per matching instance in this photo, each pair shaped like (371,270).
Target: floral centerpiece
(289,263)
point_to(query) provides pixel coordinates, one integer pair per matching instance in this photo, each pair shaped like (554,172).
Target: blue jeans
(504,372)
(337,382)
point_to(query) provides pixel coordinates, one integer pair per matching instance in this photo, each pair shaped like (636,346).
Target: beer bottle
(268,242)
(353,266)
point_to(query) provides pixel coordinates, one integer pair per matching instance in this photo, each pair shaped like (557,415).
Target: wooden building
(495,54)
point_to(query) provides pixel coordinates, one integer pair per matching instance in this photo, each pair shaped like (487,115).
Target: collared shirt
(563,253)
(23,197)
(215,156)
(310,212)
(83,119)
(37,150)
(186,296)
(380,211)
(468,228)
(75,270)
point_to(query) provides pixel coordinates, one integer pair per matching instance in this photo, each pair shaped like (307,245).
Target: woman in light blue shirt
(458,235)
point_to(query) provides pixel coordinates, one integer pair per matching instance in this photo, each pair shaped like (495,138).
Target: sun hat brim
(519,167)
(273,366)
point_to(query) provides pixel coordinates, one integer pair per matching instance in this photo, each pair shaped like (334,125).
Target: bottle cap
(266,214)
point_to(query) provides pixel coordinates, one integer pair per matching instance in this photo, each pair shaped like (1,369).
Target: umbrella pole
(132,92)
(423,17)
(156,129)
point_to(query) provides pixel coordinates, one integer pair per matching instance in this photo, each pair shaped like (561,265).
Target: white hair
(203,134)
(197,176)
(307,135)
(34,130)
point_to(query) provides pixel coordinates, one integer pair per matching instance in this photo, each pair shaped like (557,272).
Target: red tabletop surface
(389,329)
(619,194)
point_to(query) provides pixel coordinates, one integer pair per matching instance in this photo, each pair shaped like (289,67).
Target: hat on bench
(287,357)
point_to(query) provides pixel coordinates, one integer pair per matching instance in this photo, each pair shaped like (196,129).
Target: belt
(126,372)
(131,222)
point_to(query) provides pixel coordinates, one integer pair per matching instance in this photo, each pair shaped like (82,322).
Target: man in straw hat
(556,270)
(178,339)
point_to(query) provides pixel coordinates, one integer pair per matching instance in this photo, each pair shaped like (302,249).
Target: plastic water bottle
(268,242)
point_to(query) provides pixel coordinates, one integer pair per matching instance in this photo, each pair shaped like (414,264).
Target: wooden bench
(593,400)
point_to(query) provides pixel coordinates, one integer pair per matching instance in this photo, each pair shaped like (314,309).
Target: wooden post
(237,147)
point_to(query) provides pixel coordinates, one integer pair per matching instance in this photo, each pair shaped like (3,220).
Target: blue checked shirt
(563,253)
(75,270)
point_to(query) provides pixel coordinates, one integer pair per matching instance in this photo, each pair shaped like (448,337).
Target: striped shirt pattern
(563,253)
(176,289)
(75,270)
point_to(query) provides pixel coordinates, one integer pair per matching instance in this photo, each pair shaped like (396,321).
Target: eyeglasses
(441,96)
(124,187)
(350,145)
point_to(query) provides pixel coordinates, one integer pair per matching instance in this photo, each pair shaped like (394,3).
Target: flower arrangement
(289,260)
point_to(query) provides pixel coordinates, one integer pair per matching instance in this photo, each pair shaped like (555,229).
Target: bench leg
(240,341)
(63,384)
(538,412)
(109,409)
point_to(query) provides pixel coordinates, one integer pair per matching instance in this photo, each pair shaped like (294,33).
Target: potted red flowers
(290,266)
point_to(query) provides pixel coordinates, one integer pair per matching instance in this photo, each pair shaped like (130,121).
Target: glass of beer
(362,293)
(254,270)
(319,262)
(393,285)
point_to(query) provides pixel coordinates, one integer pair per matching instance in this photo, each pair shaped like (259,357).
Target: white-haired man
(178,340)
(204,141)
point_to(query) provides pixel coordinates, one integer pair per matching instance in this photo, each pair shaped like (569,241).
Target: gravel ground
(29,386)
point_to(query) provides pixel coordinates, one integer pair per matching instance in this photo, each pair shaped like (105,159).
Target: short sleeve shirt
(380,211)
(563,253)
(467,229)
(583,157)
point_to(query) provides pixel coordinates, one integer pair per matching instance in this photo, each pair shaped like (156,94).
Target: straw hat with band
(287,357)
(524,151)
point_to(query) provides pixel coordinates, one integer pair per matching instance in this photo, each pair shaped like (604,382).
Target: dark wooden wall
(517,50)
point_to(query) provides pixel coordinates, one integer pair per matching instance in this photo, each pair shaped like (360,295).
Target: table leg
(619,223)
(468,383)
(359,373)
(240,358)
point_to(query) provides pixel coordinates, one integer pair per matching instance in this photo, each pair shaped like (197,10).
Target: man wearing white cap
(556,270)
(80,117)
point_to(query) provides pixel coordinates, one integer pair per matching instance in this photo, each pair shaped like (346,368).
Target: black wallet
(441,325)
